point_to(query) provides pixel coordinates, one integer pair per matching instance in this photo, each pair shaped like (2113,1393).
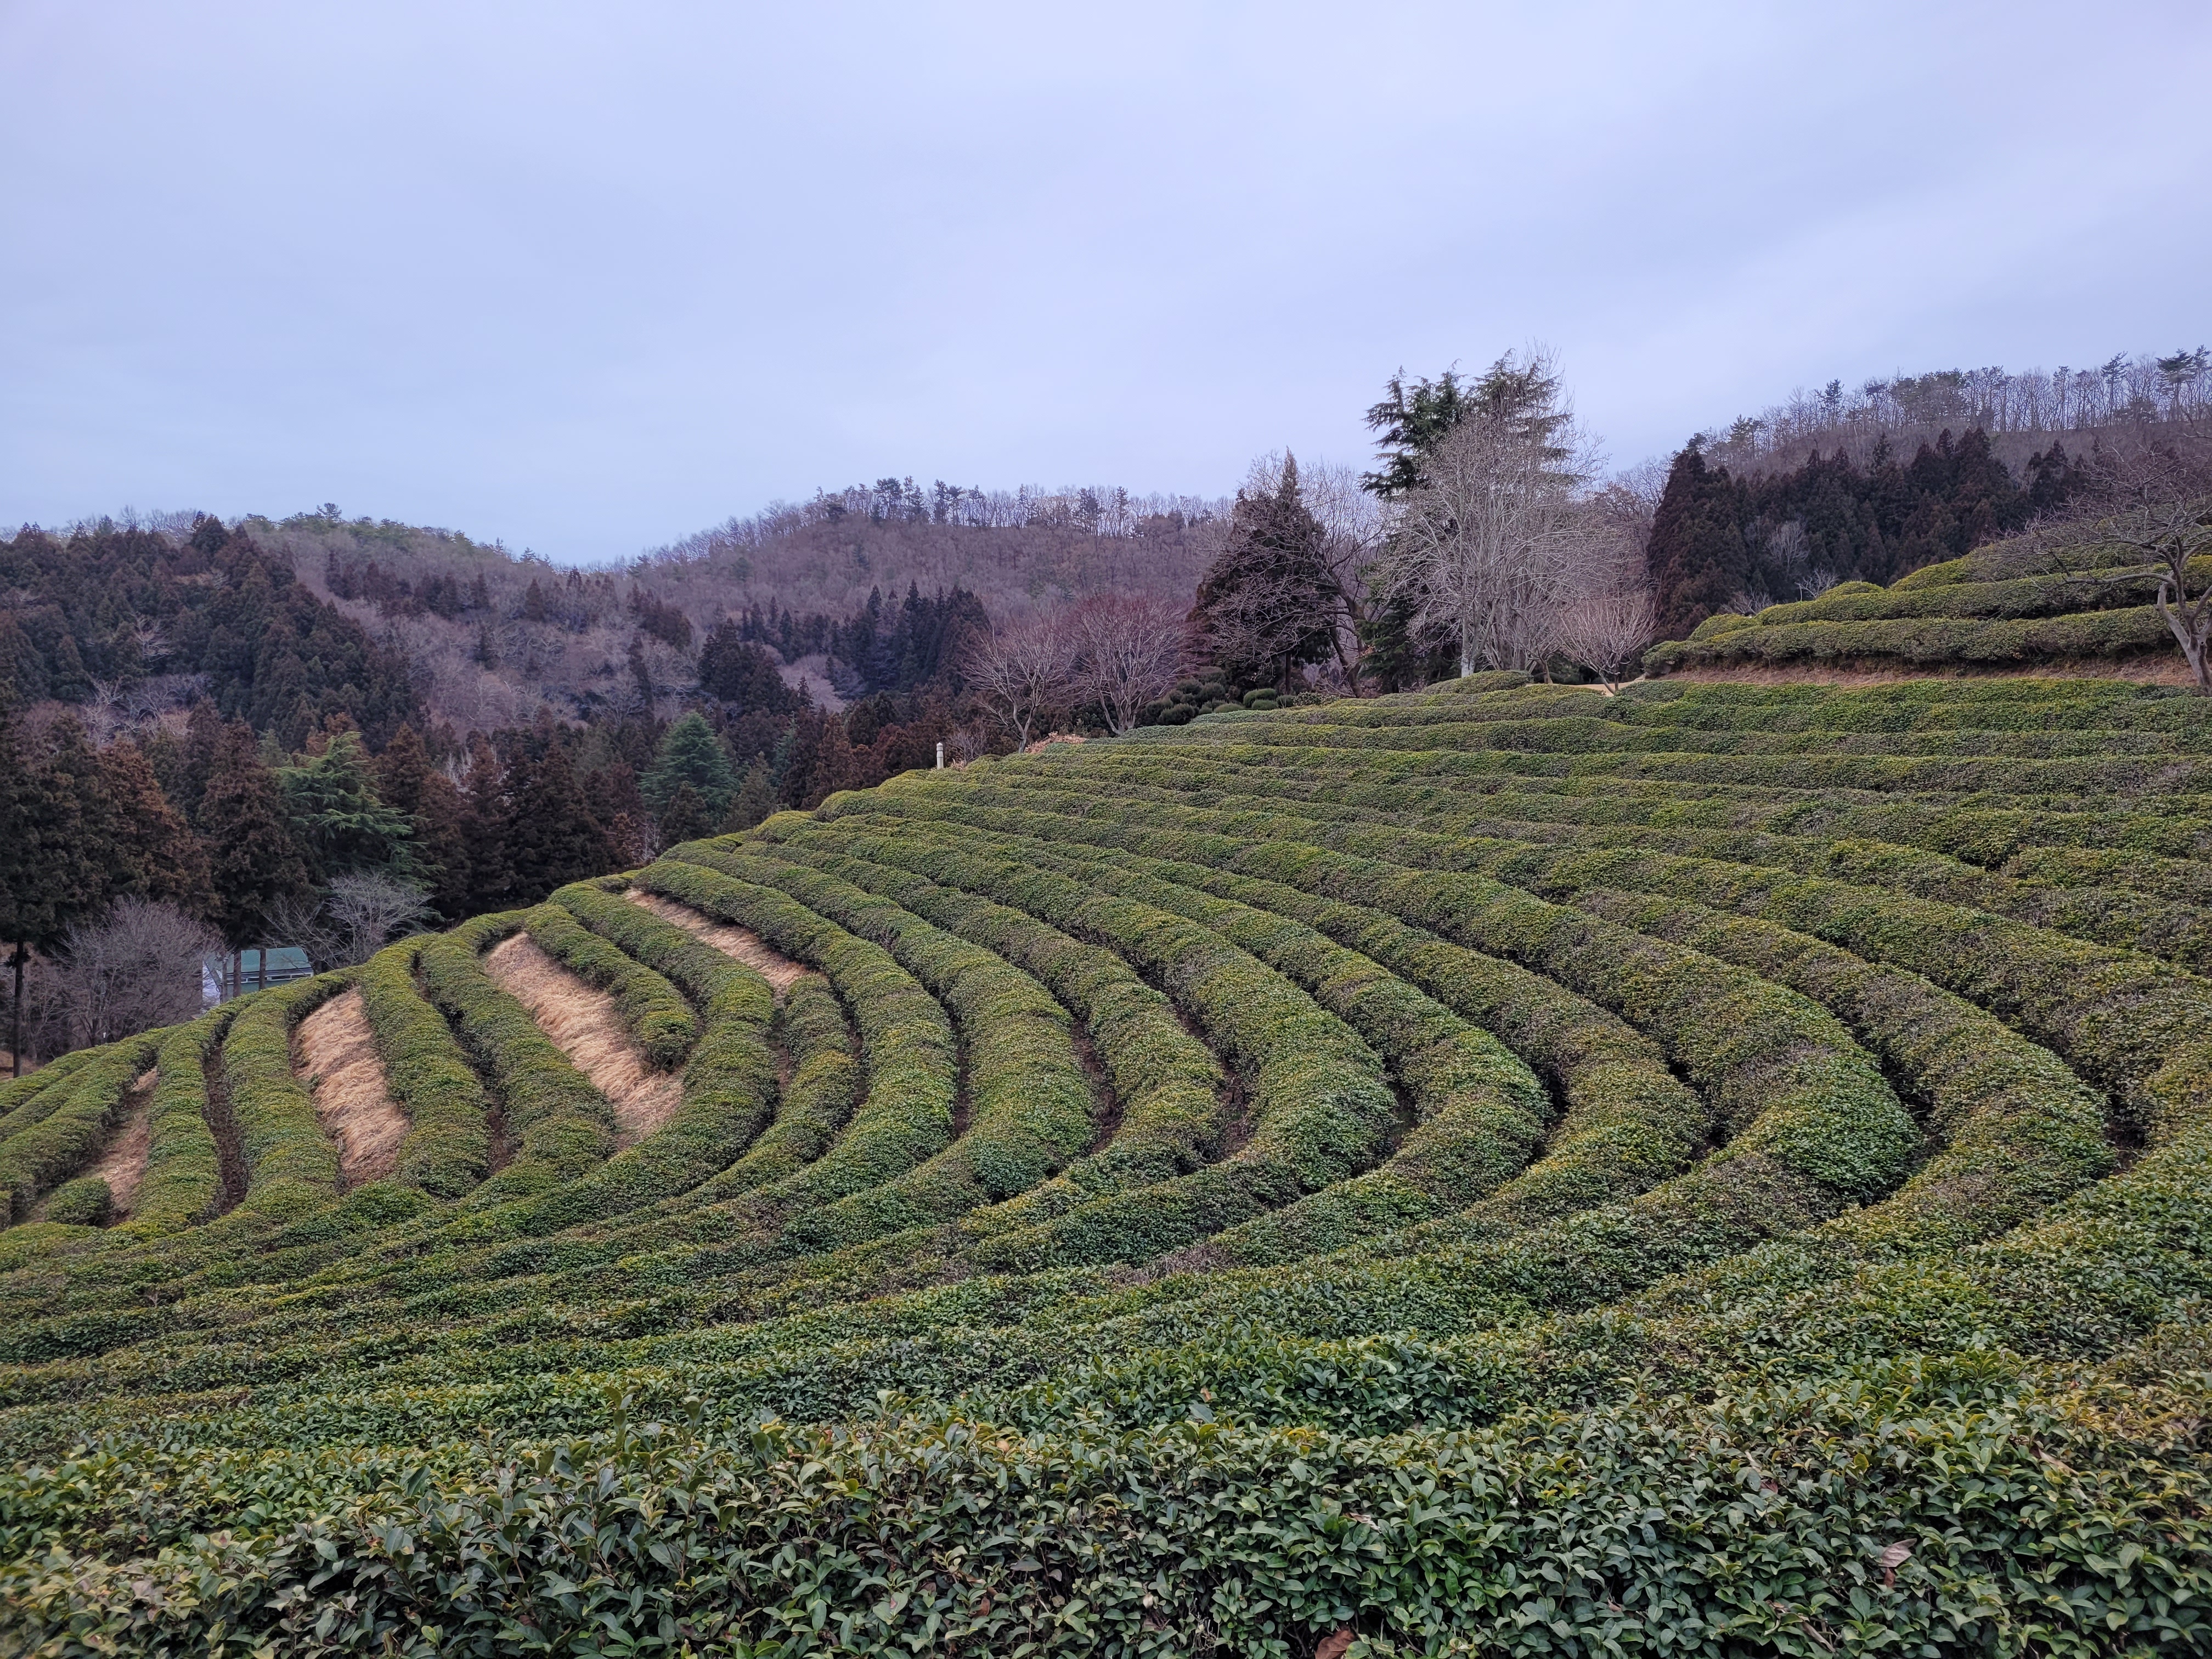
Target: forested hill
(143,619)
(1723,541)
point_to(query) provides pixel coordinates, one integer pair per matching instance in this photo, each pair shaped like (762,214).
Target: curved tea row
(1499,1165)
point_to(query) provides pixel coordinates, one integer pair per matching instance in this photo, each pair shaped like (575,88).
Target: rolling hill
(1718,1169)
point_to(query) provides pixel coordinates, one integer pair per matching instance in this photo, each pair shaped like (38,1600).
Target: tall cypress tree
(486,819)
(411,784)
(47,880)
(251,858)
(552,837)
(156,852)
(1696,554)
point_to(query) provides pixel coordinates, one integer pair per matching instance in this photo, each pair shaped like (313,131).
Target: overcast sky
(587,277)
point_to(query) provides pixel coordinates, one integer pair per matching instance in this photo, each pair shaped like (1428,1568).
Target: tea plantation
(2000,607)
(1714,1171)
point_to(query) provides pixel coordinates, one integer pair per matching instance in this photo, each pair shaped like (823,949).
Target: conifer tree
(157,854)
(47,880)
(335,817)
(754,799)
(552,838)
(690,753)
(438,816)
(685,818)
(485,815)
(251,858)
(1267,604)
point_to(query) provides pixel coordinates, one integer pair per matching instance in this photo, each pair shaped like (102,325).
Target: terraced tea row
(1340,1167)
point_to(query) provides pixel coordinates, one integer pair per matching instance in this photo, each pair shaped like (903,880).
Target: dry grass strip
(779,970)
(583,1024)
(123,1164)
(334,1052)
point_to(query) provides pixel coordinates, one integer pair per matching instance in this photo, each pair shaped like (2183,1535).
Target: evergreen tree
(437,816)
(1410,422)
(47,880)
(552,839)
(690,753)
(754,799)
(335,815)
(486,816)
(156,854)
(686,818)
(733,671)
(1696,554)
(253,859)
(1267,604)
(834,765)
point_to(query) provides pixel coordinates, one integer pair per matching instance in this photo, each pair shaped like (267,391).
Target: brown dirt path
(123,1162)
(584,1024)
(779,970)
(334,1052)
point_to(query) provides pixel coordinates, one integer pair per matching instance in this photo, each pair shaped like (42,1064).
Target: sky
(586,278)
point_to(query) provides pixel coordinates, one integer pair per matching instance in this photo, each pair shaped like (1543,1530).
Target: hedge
(1167,1089)
(39,1158)
(183,1180)
(25,1100)
(1320,1105)
(1029,1102)
(447,1149)
(1948,640)
(907,1045)
(653,1010)
(557,1126)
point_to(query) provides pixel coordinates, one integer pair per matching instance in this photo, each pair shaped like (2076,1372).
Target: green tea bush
(183,1180)
(25,1100)
(83,1202)
(290,1162)
(654,1012)
(447,1148)
(907,1045)
(39,1158)
(559,1125)
(1717,1169)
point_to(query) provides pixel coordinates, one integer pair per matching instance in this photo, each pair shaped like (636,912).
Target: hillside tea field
(1498,1169)
(1994,608)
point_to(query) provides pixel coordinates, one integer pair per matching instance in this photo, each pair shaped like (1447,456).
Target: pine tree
(251,858)
(1268,603)
(690,753)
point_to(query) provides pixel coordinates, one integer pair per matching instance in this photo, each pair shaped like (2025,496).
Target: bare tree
(1127,650)
(1607,631)
(1020,671)
(1489,541)
(297,920)
(2154,504)
(367,908)
(136,968)
(1355,526)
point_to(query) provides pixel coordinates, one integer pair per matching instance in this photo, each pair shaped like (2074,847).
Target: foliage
(1717,1167)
